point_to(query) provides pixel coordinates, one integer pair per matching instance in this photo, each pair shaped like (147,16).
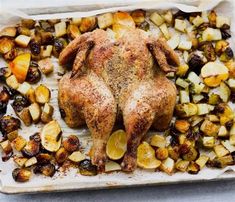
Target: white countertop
(206,191)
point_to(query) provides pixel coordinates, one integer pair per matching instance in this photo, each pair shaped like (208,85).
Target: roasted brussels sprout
(191,154)
(11,54)
(9,124)
(71,144)
(45,169)
(20,102)
(31,149)
(4,73)
(87,169)
(46,26)
(226,55)
(33,75)
(6,45)
(209,52)
(47,38)
(221,46)
(225,34)
(144,26)
(195,62)
(21,174)
(59,45)
(43,158)
(35,47)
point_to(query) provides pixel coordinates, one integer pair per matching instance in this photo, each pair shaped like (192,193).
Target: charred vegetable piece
(4,73)
(6,147)
(8,32)
(20,102)
(87,169)
(33,75)
(42,94)
(46,169)
(12,135)
(4,98)
(29,23)
(138,16)
(71,144)
(225,34)
(191,155)
(59,45)
(21,174)
(20,160)
(73,31)
(23,31)
(227,55)
(161,153)
(25,116)
(193,168)
(88,24)
(19,143)
(35,112)
(6,45)
(195,62)
(61,155)
(43,158)
(209,52)
(144,26)
(46,38)
(105,20)
(31,149)
(212,18)
(46,26)
(9,124)
(35,47)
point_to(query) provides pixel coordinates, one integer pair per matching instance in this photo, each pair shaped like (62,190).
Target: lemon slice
(116,146)
(146,157)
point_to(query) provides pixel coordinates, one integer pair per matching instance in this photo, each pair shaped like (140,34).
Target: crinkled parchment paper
(11,13)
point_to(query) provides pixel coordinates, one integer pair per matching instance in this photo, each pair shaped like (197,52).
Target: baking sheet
(72,180)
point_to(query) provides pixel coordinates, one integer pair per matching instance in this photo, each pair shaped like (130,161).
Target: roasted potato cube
(173,152)
(88,24)
(123,19)
(210,34)
(12,82)
(86,168)
(228,146)
(30,162)
(138,16)
(202,160)
(8,32)
(209,128)
(60,29)
(193,168)
(42,94)
(161,153)
(6,146)
(35,112)
(165,31)
(46,51)
(197,21)
(168,17)
(22,40)
(9,124)
(222,21)
(12,135)
(180,25)
(220,150)
(20,160)
(222,131)
(202,109)
(46,66)
(73,31)
(208,142)
(29,23)
(182,165)
(213,118)
(25,116)
(105,20)
(19,143)
(77,156)
(182,125)
(61,155)
(186,110)
(23,31)
(185,44)
(21,174)
(71,144)
(76,21)
(156,18)
(111,166)
(31,149)
(47,112)
(182,83)
(24,88)
(46,169)
(51,136)
(6,45)
(44,158)
(167,166)
(191,155)
(220,46)
(158,141)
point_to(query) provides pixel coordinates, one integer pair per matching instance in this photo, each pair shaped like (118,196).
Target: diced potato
(213,118)
(30,162)
(77,156)
(232,139)
(6,146)
(24,88)
(220,150)
(184,96)
(46,51)
(174,41)
(6,45)
(194,78)
(61,155)
(60,29)
(182,83)
(21,174)
(158,141)
(20,161)
(19,66)
(202,109)
(182,138)
(182,70)
(123,18)
(222,20)
(212,155)
(111,166)
(8,32)
(164,31)
(193,168)
(167,166)
(227,115)
(182,125)
(46,66)
(191,155)
(42,94)
(138,16)
(185,45)
(88,24)
(29,23)
(228,146)
(231,84)
(73,31)
(156,19)
(232,130)
(22,40)
(12,82)
(47,112)
(168,17)
(180,25)
(105,20)
(222,131)
(209,128)
(25,116)
(202,160)
(173,152)
(35,112)
(162,153)
(210,34)
(31,95)
(197,98)
(197,21)
(224,92)
(51,136)
(197,88)
(186,110)
(196,120)
(12,135)
(19,143)
(76,21)
(182,165)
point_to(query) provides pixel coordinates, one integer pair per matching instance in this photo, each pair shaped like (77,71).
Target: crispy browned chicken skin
(117,78)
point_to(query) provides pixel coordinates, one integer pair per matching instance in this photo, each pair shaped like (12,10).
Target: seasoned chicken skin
(117,78)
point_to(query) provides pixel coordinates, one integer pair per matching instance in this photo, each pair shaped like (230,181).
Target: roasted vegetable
(60,29)
(124,19)
(144,26)
(73,31)
(35,47)
(20,160)
(105,20)
(42,94)
(180,25)
(59,45)
(21,174)
(88,24)
(182,165)
(20,102)
(186,110)
(227,55)
(167,166)
(47,38)
(138,16)
(86,168)
(46,66)
(8,32)
(158,141)
(71,144)
(161,153)
(209,52)
(47,112)
(4,98)
(195,62)
(6,147)
(30,162)
(19,143)
(6,45)
(23,31)
(182,125)
(31,149)
(76,156)
(61,155)
(43,158)
(35,112)
(22,40)
(9,124)
(12,135)
(45,169)
(193,168)
(46,51)
(29,23)
(191,155)
(156,18)
(111,166)
(212,18)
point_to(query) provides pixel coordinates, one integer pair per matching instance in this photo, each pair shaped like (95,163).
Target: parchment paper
(71,180)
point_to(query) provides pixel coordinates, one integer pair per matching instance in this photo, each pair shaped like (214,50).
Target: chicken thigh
(117,78)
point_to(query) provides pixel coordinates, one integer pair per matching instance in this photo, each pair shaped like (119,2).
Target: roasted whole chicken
(117,80)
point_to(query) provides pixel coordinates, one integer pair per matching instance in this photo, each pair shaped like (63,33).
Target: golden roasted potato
(61,155)
(182,125)
(21,174)
(19,143)
(42,94)
(71,144)
(88,24)
(47,113)
(6,45)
